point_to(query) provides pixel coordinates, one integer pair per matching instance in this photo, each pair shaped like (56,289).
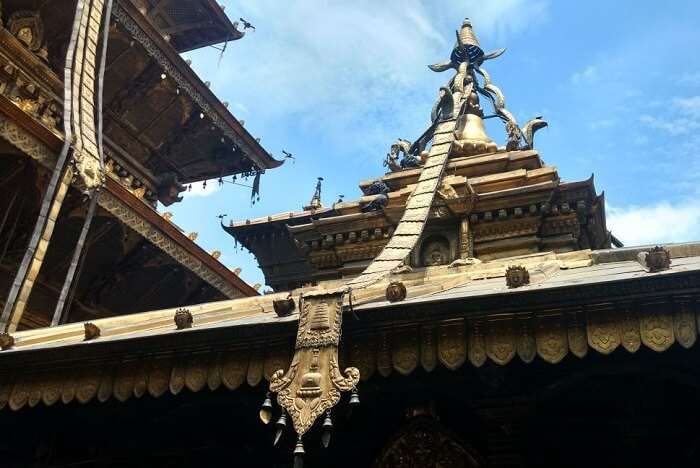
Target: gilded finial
(193,236)
(466,49)
(167,215)
(216,254)
(315,202)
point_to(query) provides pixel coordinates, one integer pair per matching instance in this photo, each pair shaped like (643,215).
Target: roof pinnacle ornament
(467,58)
(466,49)
(315,202)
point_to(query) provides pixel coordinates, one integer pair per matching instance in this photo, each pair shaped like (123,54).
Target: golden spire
(315,202)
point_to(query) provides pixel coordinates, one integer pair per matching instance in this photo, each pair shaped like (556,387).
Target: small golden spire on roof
(193,236)
(315,202)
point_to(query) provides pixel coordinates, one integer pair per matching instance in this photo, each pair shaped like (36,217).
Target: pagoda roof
(575,302)
(473,283)
(191,24)
(215,145)
(283,217)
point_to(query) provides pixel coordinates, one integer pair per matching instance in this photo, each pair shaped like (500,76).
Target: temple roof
(575,303)
(432,285)
(190,24)
(162,121)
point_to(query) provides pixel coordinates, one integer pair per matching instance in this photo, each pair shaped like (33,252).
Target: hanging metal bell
(281,425)
(327,428)
(328,422)
(299,454)
(299,449)
(266,409)
(354,398)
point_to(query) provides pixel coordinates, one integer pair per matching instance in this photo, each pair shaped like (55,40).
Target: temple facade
(470,309)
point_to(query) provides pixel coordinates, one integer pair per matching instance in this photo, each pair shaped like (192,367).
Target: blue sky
(336,82)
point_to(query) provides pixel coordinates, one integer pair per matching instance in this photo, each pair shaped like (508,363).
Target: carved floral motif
(452,344)
(516,276)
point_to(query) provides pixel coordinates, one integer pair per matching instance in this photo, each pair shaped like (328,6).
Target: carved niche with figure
(435,250)
(424,443)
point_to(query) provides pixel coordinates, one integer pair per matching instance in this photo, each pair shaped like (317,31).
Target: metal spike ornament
(299,454)
(281,426)
(314,382)
(327,428)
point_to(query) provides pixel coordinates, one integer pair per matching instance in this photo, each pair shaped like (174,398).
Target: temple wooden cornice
(276,249)
(42,145)
(190,24)
(143,31)
(574,304)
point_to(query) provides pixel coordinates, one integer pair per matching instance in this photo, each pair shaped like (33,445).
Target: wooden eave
(243,340)
(55,142)
(218,28)
(257,153)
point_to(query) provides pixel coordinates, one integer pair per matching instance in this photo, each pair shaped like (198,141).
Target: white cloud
(683,117)
(351,71)
(198,189)
(587,75)
(658,223)
(689,105)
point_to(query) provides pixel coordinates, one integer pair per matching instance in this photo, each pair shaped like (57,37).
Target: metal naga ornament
(314,382)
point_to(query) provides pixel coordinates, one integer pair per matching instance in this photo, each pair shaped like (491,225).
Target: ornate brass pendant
(313,383)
